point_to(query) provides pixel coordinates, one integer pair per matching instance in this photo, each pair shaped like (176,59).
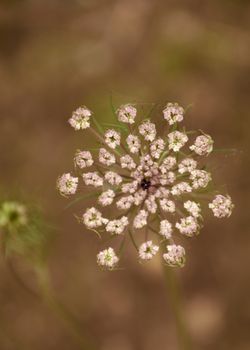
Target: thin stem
(60,310)
(133,240)
(19,280)
(174,294)
(51,299)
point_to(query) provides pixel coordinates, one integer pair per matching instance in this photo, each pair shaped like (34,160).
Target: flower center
(145,184)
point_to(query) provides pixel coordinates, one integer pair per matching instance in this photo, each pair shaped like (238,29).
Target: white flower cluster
(112,138)
(175,256)
(117,226)
(193,208)
(105,157)
(107,258)
(222,206)
(173,113)
(166,229)
(203,145)
(148,130)
(176,140)
(152,181)
(83,159)
(67,184)
(188,226)
(92,218)
(127,114)
(80,118)
(92,179)
(134,143)
(148,250)
(187,165)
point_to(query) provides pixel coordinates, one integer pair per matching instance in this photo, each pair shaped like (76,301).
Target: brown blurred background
(58,54)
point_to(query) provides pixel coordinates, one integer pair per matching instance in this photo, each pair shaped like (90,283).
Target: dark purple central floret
(145,184)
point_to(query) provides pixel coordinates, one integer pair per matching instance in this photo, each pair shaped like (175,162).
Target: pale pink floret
(113,178)
(176,140)
(80,118)
(117,226)
(168,164)
(141,219)
(187,165)
(157,147)
(148,130)
(193,208)
(203,145)
(107,258)
(127,114)
(127,162)
(166,229)
(125,202)
(221,206)
(175,257)
(67,184)
(167,205)
(181,188)
(112,138)
(105,157)
(134,143)
(148,250)
(92,179)
(173,113)
(93,218)
(83,159)
(188,226)
(200,178)
(106,198)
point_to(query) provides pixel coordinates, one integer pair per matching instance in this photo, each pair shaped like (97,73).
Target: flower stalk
(174,297)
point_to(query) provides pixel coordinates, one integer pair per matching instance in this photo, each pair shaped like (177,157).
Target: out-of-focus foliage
(23,232)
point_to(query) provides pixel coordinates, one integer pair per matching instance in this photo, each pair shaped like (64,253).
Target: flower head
(127,114)
(112,138)
(67,184)
(187,165)
(144,178)
(193,208)
(175,256)
(80,118)
(105,157)
(148,130)
(106,198)
(107,258)
(134,143)
(117,226)
(148,250)
(203,145)
(177,140)
(173,113)
(200,178)
(188,226)
(166,229)
(222,206)
(92,218)
(83,159)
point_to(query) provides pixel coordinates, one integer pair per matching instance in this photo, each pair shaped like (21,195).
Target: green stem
(133,240)
(173,287)
(60,310)
(52,301)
